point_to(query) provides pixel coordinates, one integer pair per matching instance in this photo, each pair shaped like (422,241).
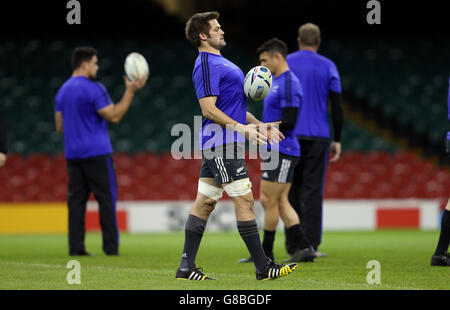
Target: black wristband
(337,114)
(289,118)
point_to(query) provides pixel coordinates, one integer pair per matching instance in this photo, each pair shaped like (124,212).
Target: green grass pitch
(149,262)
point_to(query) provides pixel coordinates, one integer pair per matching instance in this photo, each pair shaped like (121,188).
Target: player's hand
(335,151)
(2,159)
(271,131)
(251,133)
(136,84)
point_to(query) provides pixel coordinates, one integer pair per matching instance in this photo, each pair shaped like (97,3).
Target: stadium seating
(380,175)
(371,167)
(404,88)
(167,99)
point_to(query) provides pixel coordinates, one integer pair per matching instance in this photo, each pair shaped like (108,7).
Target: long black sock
(295,233)
(193,231)
(444,238)
(268,240)
(249,233)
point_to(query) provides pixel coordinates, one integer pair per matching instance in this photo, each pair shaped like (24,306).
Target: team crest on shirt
(275,88)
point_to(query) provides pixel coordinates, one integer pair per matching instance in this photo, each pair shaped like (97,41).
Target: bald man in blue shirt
(321,84)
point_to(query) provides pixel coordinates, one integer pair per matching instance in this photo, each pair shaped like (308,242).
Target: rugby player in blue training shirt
(321,83)
(441,257)
(283,103)
(219,87)
(82,109)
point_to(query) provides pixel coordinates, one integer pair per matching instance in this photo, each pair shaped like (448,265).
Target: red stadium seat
(378,157)
(146,176)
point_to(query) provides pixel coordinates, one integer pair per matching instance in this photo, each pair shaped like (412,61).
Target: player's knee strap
(238,188)
(210,191)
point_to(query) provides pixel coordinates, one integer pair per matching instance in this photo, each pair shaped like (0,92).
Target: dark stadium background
(394,75)
(138,18)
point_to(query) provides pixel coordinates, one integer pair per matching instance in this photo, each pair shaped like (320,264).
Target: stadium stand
(399,85)
(371,167)
(378,174)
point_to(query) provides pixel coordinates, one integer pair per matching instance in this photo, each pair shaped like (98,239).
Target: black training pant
(97,175)
(306,194)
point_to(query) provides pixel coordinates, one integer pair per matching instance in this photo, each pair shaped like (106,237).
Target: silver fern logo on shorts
(240,171)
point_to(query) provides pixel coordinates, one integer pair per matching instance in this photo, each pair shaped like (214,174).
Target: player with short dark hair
(283,103)
(82,109)
(441,257)
(219,87)
(82,54)
(321,84)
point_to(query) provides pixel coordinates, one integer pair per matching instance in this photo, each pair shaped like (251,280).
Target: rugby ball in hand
(135,66)
(257,83)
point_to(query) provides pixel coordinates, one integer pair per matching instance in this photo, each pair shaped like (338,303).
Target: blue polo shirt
(286,92)
(318,75)
(85,131)
(215,75)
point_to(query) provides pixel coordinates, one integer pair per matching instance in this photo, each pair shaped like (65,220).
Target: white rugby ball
(135,66)
(257,83)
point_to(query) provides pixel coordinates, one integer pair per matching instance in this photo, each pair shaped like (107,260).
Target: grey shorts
(284,172)
(227,165)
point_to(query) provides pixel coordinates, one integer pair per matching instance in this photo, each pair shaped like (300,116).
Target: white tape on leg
(238,188)
(210,191)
